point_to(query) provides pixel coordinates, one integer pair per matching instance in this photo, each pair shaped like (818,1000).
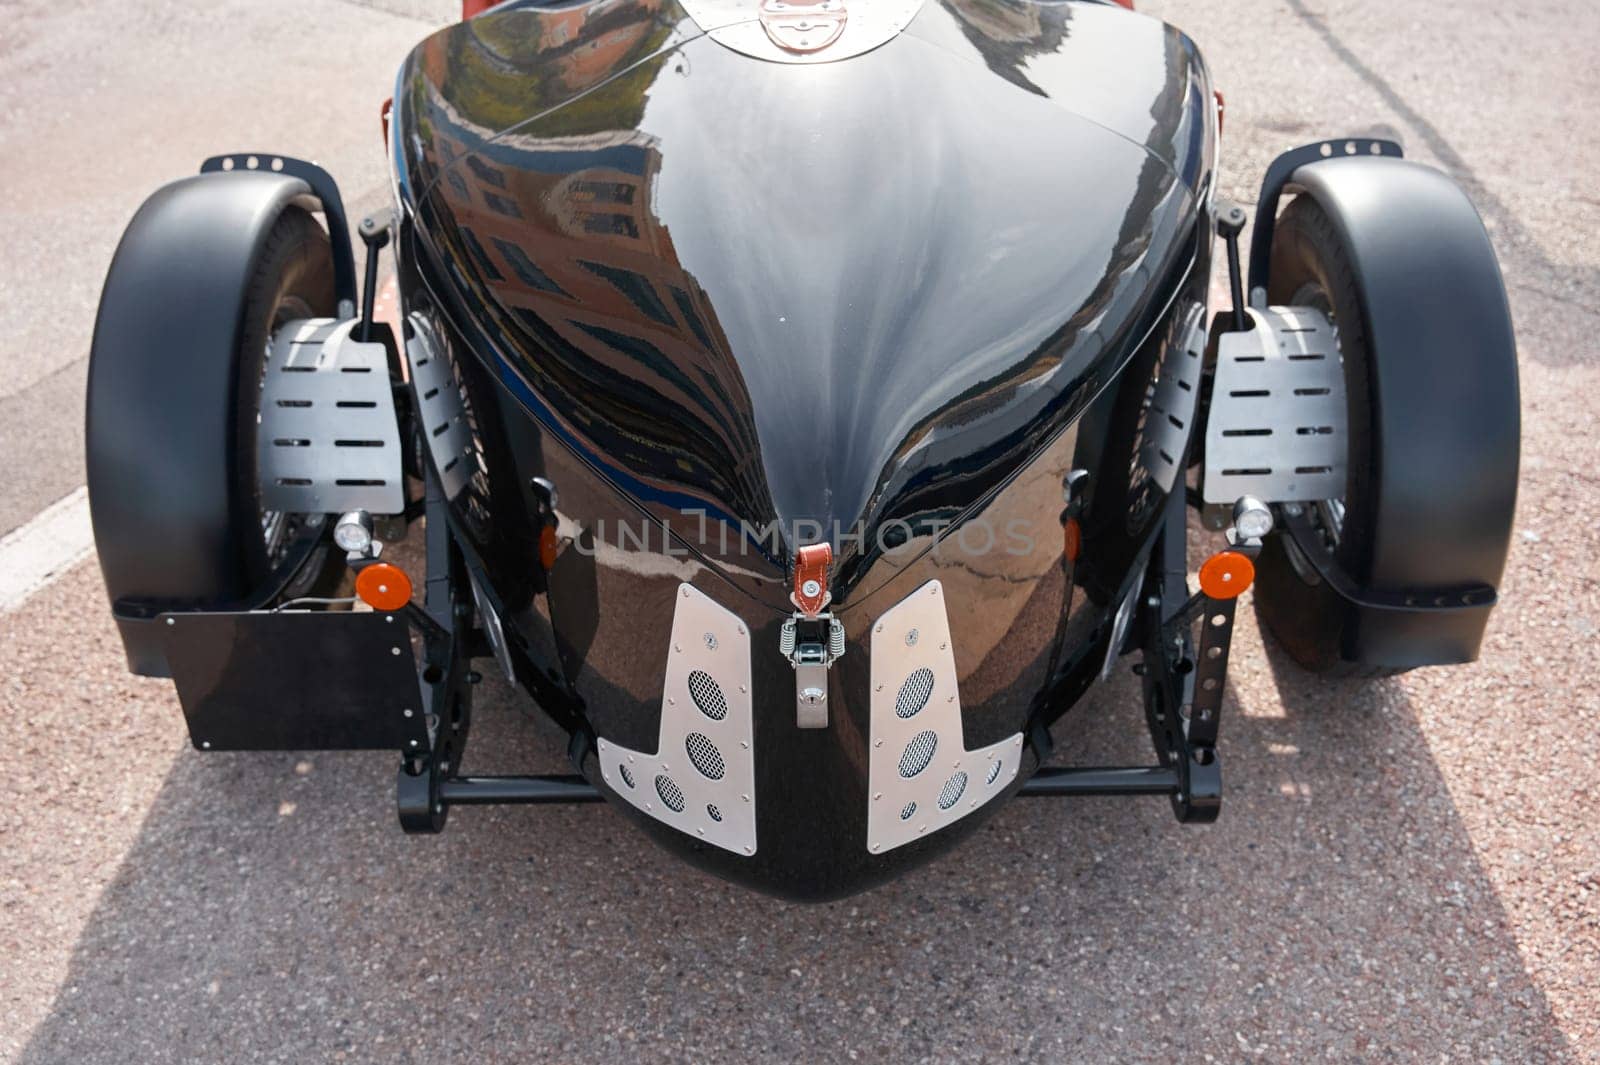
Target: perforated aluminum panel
(440,408)
(1277,428)
(1164,438)
(921,777)
(328,441)
(702,779)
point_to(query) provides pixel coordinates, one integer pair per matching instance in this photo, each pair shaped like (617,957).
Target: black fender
(161,398)
(1446,419)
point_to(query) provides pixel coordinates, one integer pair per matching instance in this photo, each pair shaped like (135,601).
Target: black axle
(516,791)
(1054,782)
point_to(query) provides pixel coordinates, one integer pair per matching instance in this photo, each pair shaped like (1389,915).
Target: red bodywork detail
(811,578)
(383,116)
(1125,3)
(1222,111)
(475,7)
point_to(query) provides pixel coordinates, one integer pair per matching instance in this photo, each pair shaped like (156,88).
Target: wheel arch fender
(1446,414)
(161,403)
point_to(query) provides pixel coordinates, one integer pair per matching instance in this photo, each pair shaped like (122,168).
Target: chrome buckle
(811,640)
(812,645)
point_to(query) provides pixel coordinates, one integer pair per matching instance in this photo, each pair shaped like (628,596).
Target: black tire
(293,278)
(1304,615)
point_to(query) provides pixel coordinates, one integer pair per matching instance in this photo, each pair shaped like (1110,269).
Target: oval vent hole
(707,695)
(712,812)
(994,772)
(670,793)
(952,791)
(705,756)
(910,808)
(918,753)
(914,694)
(627,776)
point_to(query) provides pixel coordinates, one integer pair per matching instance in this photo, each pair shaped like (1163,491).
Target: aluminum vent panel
(702,778)
(328,440)
(921,776)
(1169,418)
(1277,428)
(440,407)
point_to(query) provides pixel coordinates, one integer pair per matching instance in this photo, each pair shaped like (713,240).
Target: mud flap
(295,680)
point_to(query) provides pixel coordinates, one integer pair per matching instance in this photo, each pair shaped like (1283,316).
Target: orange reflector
(1227,575)
(383,587)
(548,545)
(1074,540)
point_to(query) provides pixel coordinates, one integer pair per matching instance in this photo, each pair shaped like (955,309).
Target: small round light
(354,532)
(1252,518)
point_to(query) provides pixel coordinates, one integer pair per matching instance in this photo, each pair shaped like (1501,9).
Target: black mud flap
(279,681)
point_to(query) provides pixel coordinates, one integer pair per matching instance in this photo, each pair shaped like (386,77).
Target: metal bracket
(1278,424)
(329,440)
(812,645)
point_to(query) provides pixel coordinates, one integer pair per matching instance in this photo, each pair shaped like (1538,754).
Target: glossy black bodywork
(737,306)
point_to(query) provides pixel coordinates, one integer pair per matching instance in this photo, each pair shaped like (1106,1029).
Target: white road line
(58,538)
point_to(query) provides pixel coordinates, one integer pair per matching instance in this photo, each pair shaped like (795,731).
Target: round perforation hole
(914,694)
(707,695)
(951,794)
(670,793)
(705,756)
(908,811)
(918,753)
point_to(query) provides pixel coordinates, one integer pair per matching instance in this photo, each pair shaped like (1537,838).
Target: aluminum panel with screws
(702,778)
(1277,428)
(921,777)
(328,441)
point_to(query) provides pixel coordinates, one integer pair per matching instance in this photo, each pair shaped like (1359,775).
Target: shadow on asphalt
(272,910)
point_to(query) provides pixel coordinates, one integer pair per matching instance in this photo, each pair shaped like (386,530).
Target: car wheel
(293,279)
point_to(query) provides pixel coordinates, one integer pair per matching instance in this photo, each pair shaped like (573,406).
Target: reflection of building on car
(914,300)
(562,233)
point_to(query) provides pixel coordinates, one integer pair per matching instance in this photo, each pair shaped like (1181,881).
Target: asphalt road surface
(1407,869)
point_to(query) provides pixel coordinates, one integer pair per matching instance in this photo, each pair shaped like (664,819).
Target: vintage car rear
(925,283)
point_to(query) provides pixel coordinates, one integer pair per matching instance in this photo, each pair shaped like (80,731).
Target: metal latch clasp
(811,640)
